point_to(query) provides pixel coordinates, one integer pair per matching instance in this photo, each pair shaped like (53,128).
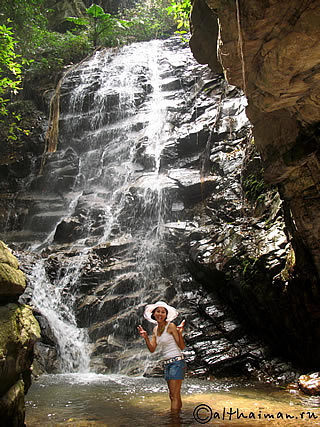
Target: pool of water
(116,400)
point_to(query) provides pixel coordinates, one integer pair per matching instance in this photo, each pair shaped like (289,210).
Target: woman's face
(160,314)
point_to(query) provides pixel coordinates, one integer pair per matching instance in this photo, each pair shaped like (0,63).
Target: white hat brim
(172,312)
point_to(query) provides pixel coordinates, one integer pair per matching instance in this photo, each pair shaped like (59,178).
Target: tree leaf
(78,21)
(95,11)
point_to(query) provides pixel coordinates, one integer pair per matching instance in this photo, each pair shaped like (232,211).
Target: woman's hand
(181,326)
(150,344)
(142,332)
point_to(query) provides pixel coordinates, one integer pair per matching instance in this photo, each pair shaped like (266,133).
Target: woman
(169,337)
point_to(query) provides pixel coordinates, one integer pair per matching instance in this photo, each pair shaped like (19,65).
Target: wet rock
(69,230)
(134,224)
(310,384)
(46,359)
(282,98)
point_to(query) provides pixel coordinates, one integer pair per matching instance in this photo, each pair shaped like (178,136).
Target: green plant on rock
(181,10)
(250,273)
(248,265)
(288,272)
(254,187)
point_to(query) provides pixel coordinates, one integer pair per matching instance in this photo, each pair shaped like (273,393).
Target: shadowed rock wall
(271,50)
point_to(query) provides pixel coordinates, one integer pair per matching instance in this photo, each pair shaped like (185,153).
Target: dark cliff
(271,50)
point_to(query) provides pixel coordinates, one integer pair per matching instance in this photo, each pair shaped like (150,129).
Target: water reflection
(117,400)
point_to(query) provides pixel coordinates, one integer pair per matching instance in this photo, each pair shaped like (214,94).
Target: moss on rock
(12,283)
(12,280)
(6,256)
(19,331)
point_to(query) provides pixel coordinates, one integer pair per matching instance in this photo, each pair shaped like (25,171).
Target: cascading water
(51,301)
(106,184)
(142,201)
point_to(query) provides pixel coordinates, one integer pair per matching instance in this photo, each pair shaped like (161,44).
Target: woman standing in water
(169,337)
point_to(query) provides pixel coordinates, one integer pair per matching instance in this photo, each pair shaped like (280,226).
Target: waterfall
(143,201)
(51,301)
(106,186)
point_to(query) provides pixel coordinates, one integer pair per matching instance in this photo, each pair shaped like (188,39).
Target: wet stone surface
(148,203)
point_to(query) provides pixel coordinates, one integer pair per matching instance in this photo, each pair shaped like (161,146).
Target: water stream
(118,400)
(105,182)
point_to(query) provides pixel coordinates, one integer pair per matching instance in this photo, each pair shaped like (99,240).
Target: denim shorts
(175,370)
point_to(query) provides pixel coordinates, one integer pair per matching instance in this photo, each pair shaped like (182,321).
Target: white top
(167,344)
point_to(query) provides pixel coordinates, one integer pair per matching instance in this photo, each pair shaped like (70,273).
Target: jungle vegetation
(30,49)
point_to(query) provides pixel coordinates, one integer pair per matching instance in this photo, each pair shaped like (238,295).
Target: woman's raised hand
(142,332)
(181,326)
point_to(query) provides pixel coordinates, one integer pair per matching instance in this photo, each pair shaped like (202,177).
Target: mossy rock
(6,256)
(12,283)
(12,280)
(19,330)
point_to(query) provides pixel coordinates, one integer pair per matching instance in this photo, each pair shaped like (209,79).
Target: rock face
(271,50)
(310,384)
(19,331)
(155,192)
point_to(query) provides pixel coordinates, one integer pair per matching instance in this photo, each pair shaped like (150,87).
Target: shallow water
(117,400)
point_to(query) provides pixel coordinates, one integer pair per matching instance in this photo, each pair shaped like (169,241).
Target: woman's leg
(175,394)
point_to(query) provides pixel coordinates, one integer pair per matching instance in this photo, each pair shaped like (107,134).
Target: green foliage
(254,187)
(51,51)
(24,15)
(288,272)
(181,10)
(10,79)
(248,267)
(102,28)
(251,274)
(24,34)
(148,20)
(10,68)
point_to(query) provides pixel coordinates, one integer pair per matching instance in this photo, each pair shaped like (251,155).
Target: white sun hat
(172,312)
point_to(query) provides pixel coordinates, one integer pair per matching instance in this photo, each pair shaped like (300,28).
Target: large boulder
(19,331)
(310,384)
(12,280)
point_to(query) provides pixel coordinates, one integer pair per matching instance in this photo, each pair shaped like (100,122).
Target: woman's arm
(152,345)
(177,334)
